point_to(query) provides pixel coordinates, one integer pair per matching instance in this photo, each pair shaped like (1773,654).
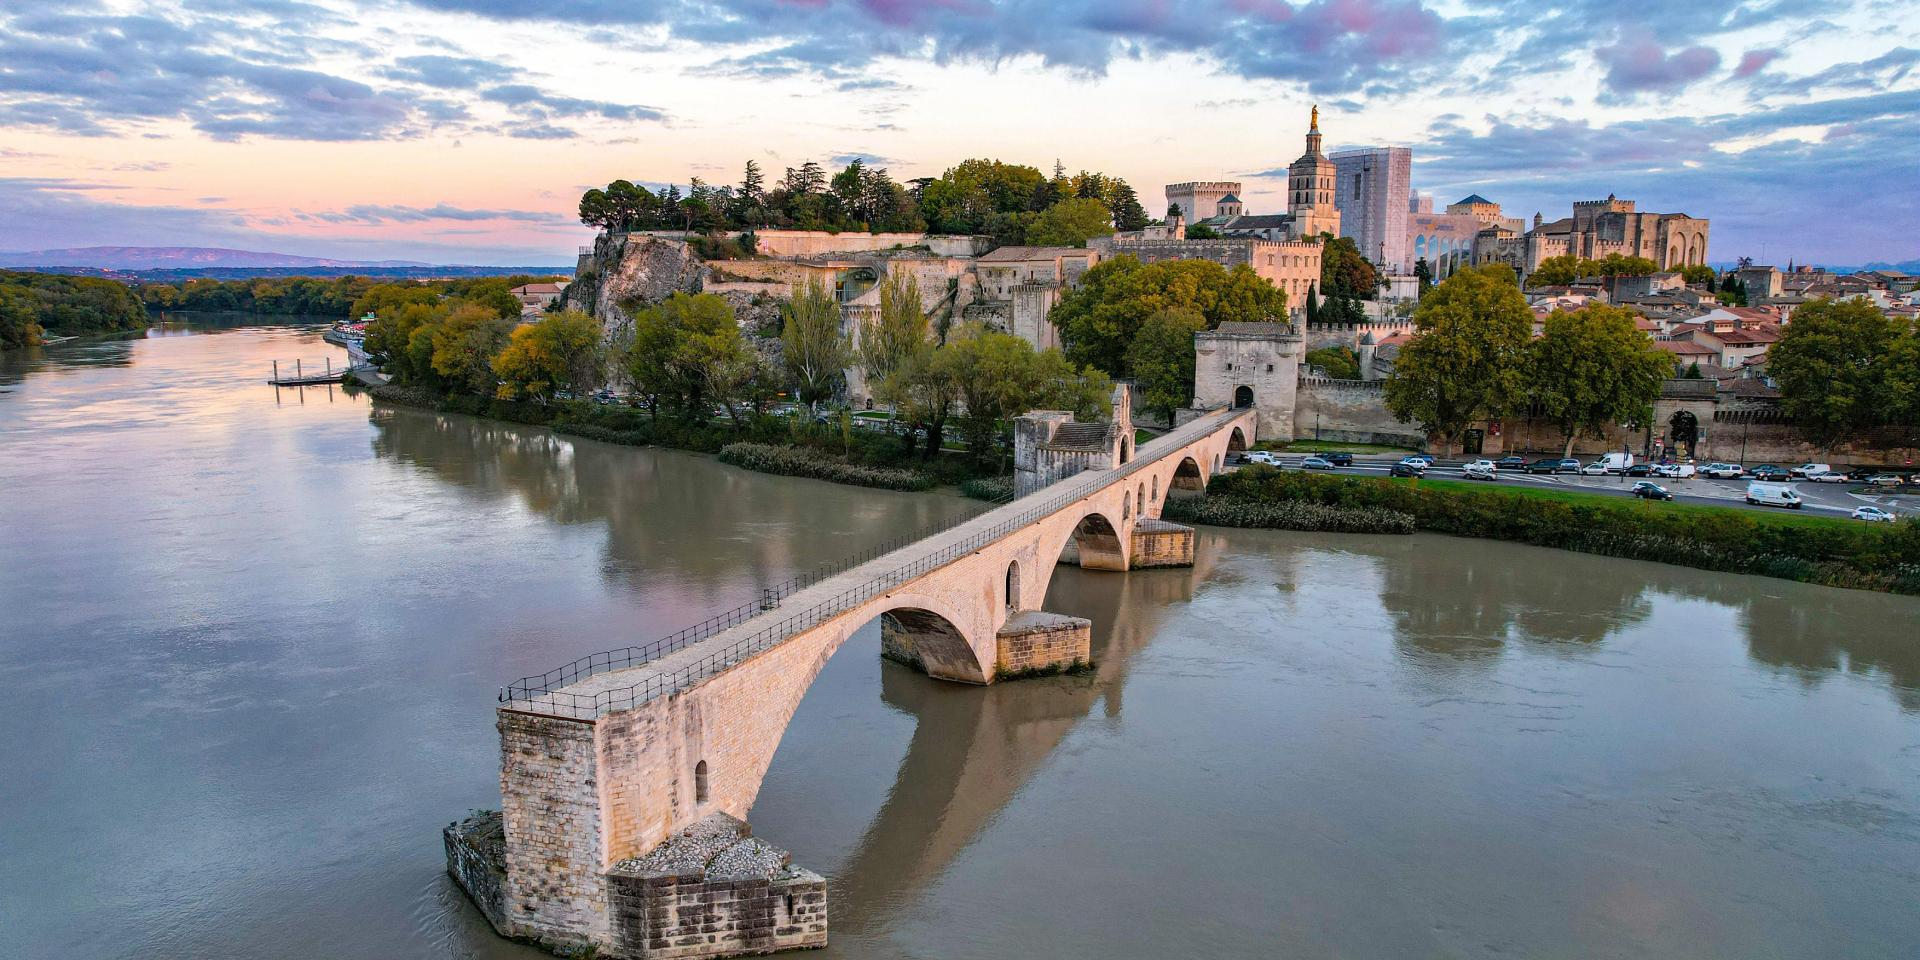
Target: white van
(1614,462)
(1809,470)
(1773,495)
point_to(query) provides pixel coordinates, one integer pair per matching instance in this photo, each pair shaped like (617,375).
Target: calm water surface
(252,642)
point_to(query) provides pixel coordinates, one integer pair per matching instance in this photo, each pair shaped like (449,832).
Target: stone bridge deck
(688,665)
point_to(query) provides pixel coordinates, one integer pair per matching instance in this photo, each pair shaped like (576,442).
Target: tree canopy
(1844,366)
(561,353)
(1099,320)
(1464,362)
(32,303)
(1071,223)
(1592,367)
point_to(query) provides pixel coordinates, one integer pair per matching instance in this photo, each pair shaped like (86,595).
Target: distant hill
(177,258)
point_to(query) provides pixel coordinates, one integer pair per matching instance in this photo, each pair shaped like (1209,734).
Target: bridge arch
(1236,441)
(929,641)
(1188,476)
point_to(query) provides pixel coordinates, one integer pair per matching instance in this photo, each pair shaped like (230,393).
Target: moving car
(1510,463)
(1316,463)
(1479,470)
(1640,470)
(1829,477)
(1883,480)
(1768,471)
(1548,465)
(1415,470)
(1773,495)
(1873,514)
(1262,456)
(1598,468)
(1420,460)
(1338,459)
(1723,471)
(1676,471)
(1648,490)
(1809,470)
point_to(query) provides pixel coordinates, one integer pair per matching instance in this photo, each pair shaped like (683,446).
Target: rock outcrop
(628,272)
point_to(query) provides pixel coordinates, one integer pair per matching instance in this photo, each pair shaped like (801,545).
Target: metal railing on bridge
(543,694)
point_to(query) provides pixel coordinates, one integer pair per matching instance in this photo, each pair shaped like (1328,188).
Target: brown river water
(252,640)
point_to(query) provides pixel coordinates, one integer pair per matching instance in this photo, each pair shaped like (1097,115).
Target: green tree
(899,332)
(1345,273)
(19,324)
(400,340)
(997,376)
(559,353)
(1831,365)
(1698,274)
(1160,359)
(1313,303)
(1422,275)
(1340,363)
(1593,367)
(1071,223)
(816,348)
(1693,372)
(1618,265)
(662,361)
(1099,319)
(724,364)
(923,393)
(1466,359)
(464,344)
(1555,271)
(1128,214)
(1200,231)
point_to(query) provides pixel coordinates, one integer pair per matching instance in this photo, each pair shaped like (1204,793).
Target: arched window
(1126,505)
(1013,586)
(1243,397)
(700,782)
(1156,486)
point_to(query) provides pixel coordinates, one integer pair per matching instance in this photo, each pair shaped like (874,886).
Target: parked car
(1768,471)
(1723,471)
(1546,465)
(1773,495)
(1338,459)
(1873,514)
(1404,469)
(1640,470)
(1674,471)
(1510,463)
(1829,477)
(1262,456)
(1598,468)
(1809,470)
(1648,490)
(1884,480)
(1617,462)
(1479,470)
(1316,463)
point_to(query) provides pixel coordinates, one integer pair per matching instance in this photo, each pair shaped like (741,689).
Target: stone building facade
(1200,199)
(1250,365)
(1050,445)
(1291,265)
(1596,229)
(1371,190)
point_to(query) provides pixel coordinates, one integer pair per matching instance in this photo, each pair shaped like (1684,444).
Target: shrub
(1226,511)
(990,489)
(795,462)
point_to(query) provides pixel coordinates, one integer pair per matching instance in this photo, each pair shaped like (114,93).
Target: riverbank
(766,444)
(1820,550)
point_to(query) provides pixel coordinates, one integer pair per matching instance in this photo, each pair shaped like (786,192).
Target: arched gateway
(615,767)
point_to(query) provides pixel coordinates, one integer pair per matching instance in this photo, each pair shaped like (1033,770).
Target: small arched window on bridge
(700,782)
(1156,486)
(1126,505)
(1013,587)
(1140,496)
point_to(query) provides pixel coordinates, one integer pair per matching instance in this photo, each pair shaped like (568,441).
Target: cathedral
(1310,206)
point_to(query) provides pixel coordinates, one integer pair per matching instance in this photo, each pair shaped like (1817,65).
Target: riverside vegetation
(36,305)
(697,381)
(1828,551)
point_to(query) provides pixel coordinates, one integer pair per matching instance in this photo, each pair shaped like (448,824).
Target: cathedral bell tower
(1310,183)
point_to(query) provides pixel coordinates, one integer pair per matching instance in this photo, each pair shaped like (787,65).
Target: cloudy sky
(464,130)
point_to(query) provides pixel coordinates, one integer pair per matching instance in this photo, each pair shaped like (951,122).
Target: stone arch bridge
(626,776)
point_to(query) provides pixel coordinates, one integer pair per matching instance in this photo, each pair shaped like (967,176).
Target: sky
(463,131)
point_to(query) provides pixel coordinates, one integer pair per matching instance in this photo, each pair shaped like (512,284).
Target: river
(252,640)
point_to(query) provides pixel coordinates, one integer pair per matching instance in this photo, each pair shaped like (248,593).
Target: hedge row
(1226,511)
(1866,556)
(800,462)
(990,489)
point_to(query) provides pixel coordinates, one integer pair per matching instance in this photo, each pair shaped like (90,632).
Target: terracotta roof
(1686,348)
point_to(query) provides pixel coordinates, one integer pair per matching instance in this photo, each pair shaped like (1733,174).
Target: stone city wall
(1349,411)
(477,859)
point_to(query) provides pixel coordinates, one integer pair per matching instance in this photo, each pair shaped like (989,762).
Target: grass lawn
(1332,446)
(874,415)
(1791,518)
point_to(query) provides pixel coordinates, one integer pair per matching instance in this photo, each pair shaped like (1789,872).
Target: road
(1835,499)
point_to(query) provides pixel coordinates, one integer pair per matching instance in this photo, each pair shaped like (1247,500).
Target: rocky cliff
(629,272)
